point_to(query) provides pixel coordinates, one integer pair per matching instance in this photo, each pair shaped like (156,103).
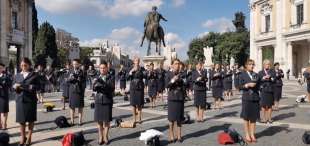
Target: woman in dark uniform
(248,83)
(104,87)
(217,85)
(65,84)
(278,85)
(227,82)
(5,84)
(152,84)
(237,72)
(43,81)
(76,81)
(136,76)
(25,86)
(189,81)
(122,78)
(266,78)
(200,79)
(306,75)
(175,85)
(161,81)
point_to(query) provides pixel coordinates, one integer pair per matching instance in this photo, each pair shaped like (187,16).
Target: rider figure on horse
(153,18)
(152,29)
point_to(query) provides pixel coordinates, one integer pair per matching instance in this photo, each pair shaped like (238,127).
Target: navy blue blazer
(176,89)
(29,86)
(266,85)
(202,83)
(217,78)
(278,78)
(105,89)
(136,79)
(252,93)
(5,84)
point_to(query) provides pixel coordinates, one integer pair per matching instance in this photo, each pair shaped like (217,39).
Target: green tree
(35,26)
(85,52)
(63,55)
(225,45)
(46,45)
(195,51)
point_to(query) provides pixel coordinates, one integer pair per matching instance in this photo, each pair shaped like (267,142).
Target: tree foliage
(85,53)
(46,45)
(35,26)
(225,45)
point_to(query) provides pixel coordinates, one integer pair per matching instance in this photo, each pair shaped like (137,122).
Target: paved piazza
(290,123)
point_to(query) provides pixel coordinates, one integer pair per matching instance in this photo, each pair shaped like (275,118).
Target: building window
(300,13)
(14,20)
(267,23)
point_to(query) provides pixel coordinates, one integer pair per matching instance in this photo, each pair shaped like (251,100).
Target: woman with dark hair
(237,72)
(200,79)
(136,76)
(278,85)
(122,73)
(161,72)
(25,85)
(248,84)
(176,86)
(64,84)
(5,84)
(306,75)
(227,82)
(266,79)
(42,79)
(217,85)
(104,88)
(77,85)
(189,81)
(152,84)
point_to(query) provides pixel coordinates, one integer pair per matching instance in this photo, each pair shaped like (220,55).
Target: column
(306,11)
(308,49)
(259,61)
(3,33)
(290,57)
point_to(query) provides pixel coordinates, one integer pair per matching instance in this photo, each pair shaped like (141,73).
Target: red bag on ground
(68,139)
(224,138)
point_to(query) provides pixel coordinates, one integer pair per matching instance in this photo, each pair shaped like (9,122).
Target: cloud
(112,9)
(127,37)
(175,41)
(124,33)
(178,3)
(219,25)
(203,34)
(129,40)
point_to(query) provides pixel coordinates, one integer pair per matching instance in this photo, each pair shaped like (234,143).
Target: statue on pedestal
(232,61)
(153,31)
(208,53)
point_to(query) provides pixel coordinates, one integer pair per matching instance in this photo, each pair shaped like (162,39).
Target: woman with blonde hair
(136,76)
(266,79)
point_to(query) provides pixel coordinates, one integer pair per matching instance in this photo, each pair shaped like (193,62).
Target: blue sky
(121,21)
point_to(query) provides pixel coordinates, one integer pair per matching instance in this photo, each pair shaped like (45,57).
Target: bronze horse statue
(153,31)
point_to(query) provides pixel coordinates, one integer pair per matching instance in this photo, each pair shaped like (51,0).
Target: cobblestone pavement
(290,123)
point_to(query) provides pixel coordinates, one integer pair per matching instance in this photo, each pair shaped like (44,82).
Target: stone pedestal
(156,60)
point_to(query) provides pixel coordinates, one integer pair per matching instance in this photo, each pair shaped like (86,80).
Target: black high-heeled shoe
(107,142)
(100,142)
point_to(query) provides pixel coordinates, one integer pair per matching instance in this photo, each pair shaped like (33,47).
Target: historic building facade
(15,30)
(280,31)
(114,54)
(67,41)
